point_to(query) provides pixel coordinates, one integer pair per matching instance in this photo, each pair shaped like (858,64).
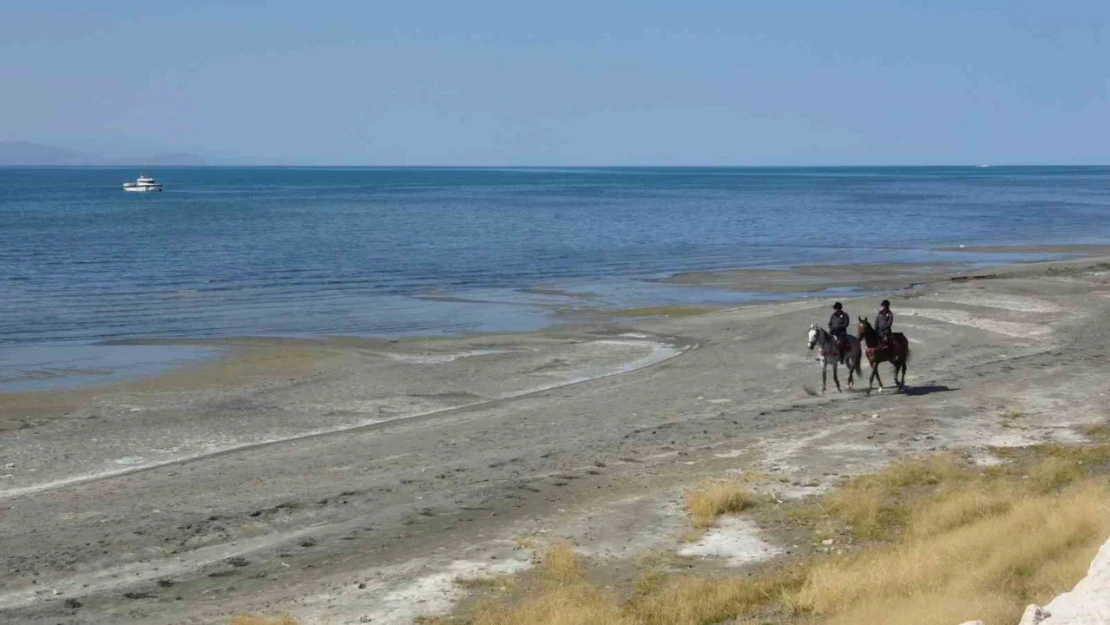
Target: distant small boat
(143,184)
(982,166)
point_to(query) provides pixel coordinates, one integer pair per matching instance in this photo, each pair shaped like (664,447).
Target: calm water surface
(390,252)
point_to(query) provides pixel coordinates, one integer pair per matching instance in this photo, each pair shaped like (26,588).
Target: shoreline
(748,286)
(595,461)
(660,352)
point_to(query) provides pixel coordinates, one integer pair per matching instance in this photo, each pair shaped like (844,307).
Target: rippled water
(275,251)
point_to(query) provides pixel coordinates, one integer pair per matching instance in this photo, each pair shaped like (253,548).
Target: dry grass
(974,552)
(560,566)
(872,505)
(710,500)
(566,598)
(563,598)
(1097,431)
(930,541)
(1082,454)
(500,583)
(689,600)
(578,604)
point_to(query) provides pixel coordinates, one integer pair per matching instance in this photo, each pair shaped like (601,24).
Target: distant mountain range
(27,154)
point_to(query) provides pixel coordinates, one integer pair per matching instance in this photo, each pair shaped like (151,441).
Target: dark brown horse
(896,352)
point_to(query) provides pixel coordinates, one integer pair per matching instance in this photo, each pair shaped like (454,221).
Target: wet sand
(1070,249)
(812,278)
(350,480)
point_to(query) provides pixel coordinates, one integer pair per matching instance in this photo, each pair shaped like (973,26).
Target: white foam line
(659,353)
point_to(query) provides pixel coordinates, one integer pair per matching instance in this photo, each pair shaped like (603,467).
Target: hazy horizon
(499,84)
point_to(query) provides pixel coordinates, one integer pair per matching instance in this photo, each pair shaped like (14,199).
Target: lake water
(395,252)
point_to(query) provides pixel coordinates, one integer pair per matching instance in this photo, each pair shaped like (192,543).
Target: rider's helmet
(885,303)
(837,306)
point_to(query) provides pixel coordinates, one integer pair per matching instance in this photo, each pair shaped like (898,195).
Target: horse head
(813,334)
(866,333)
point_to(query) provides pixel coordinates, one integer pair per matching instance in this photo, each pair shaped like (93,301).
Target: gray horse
(829,354)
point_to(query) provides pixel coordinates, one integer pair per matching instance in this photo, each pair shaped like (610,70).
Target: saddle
(885,344)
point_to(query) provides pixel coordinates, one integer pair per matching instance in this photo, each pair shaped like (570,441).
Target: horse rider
(838,327)
(884,321)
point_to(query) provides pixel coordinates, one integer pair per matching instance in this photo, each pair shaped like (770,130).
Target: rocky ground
(351,481)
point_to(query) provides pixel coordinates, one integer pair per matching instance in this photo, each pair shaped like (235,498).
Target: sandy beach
(352,480)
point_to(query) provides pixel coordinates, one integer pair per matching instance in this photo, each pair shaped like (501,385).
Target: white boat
(143,184)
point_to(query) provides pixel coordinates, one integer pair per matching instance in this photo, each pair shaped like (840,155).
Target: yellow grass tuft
(871,505)
(1054,473)
(565,598)
(970,554)
(560,566)
(688,600)
(958,507)
(1083,454)
(1097,431)
(577,604)
(502,583)
(712,499)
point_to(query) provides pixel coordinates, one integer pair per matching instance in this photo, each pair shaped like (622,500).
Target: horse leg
(824,374)
(851,371)
(875,374)
(835,378)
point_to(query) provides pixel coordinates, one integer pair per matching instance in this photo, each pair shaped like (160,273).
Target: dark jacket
(884,321)
(839,322)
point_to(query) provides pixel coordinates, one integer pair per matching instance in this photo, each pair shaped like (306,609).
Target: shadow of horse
(928,389)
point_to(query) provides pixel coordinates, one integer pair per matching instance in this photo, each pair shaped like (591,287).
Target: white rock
(1089,602)
(1033,615)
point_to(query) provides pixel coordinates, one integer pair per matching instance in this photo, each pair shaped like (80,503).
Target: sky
(526,83)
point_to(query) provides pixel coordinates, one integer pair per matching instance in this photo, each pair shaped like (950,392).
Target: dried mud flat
(349,481)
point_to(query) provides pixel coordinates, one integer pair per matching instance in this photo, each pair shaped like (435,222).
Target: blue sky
(563,83)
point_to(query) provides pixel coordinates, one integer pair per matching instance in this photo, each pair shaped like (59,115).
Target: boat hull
(137,189)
